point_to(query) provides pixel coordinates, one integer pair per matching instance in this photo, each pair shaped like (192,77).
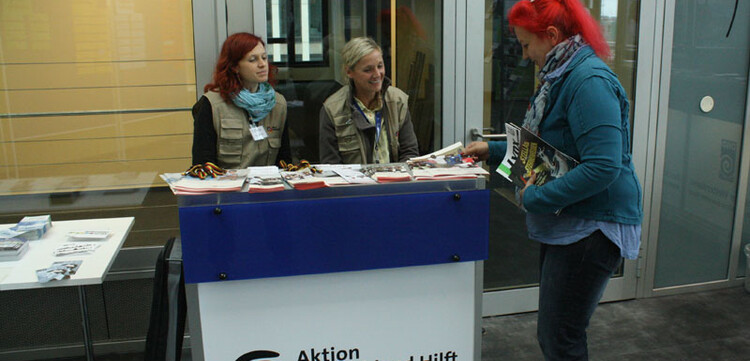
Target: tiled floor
(702,326)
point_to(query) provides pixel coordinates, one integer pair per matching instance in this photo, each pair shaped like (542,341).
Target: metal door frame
(658,112)
(625,287)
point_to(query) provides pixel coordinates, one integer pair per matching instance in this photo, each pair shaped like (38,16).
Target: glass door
(700,195)
(512,272)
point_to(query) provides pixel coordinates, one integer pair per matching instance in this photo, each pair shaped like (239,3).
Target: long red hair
(226,81)
(569,16)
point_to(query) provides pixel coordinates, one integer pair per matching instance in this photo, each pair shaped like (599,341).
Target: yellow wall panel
(41,31)
(157,97)
(5,157)
(61,127)
(107,175)
(67,151)
(95,126)
(73,56)
(157,123)
(96,75)
(95,150)
(175,146)
(73,100)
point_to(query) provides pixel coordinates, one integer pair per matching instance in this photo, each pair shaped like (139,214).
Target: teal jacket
(586,117)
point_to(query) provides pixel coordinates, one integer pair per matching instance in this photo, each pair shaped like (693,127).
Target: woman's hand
(529,182)
(478,150)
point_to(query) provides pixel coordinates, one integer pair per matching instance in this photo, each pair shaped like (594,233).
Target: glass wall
(710,53)
(305,40)
(509,82)
(94,104)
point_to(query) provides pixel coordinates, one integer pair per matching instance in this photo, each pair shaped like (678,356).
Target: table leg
(88,345)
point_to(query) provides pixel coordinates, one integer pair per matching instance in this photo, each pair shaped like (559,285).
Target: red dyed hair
(226,81)
(569,16)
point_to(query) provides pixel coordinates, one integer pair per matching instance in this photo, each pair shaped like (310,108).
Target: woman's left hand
(529,182)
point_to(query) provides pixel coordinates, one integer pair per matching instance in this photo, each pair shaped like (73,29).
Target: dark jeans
(573,279)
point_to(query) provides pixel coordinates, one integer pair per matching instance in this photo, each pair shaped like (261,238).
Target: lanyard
(378,118)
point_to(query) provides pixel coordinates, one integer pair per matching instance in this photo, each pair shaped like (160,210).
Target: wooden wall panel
(95,126)
(96,75)
(91,176)
(77,56)
(98,99)
(53,31)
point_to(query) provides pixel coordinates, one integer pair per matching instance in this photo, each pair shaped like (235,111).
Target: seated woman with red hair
(241,121)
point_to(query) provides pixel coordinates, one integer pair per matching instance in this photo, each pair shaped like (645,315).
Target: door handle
(477,135)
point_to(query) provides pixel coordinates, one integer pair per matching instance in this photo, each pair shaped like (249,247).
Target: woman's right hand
(478,150)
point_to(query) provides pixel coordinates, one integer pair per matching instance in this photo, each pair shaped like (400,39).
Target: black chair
(168,307)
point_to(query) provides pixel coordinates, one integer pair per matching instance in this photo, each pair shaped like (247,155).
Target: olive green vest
(236,148)
(350,142)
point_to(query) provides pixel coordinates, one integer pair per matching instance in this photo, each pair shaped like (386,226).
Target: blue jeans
(572,281)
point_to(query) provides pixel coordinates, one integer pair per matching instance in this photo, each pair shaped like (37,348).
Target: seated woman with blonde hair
(366,121)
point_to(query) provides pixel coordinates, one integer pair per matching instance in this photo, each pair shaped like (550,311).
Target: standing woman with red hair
(580,108)
(241,121)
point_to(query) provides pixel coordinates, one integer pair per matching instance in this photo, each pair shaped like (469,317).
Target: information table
(378,272)
(21,274)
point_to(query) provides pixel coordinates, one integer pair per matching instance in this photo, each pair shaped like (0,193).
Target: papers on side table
(58,271)
(12,249)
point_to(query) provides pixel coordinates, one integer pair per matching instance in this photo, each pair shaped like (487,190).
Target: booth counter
(376,272)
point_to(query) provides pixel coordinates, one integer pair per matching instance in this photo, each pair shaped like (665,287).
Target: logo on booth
(258,355)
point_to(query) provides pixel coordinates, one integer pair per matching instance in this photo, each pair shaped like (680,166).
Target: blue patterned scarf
(257,104)
(557,61)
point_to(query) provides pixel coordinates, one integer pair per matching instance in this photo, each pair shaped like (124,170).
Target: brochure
(302,179)
(232,181)
(385,173)
(98,235)
(528,154)
(58,271)
(264,179)
(32,228)
(446,167)
(12,249)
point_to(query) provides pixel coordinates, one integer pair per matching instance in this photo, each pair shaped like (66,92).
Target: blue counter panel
(276,239)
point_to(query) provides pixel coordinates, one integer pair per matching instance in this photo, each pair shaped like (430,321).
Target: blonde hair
(356,49)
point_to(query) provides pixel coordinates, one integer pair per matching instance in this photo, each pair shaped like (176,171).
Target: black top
(205,137)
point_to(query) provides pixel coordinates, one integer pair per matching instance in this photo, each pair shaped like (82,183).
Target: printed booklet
(527,153)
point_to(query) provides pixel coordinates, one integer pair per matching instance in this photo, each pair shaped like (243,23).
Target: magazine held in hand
(528,154)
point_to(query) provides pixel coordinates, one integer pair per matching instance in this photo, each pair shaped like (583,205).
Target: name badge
(258,133)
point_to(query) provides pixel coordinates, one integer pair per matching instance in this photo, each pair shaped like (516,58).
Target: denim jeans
(572,280)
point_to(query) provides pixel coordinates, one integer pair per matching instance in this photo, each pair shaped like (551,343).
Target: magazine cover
(388,172)
(528,154)
(264,179)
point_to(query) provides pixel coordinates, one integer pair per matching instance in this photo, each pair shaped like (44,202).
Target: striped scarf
(558,60)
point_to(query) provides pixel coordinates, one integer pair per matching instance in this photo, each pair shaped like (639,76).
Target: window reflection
(413,64)
(93,106)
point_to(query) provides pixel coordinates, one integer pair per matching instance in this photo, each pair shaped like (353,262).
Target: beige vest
(236,148)
(350,142)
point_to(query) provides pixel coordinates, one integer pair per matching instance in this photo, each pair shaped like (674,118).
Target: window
(296,32)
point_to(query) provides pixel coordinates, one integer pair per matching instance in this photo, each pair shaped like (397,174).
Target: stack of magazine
(232,181)
(12,249)
(303,179)
(264,180)
(527,154)
(446,167)
(29,228)
(386,173)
